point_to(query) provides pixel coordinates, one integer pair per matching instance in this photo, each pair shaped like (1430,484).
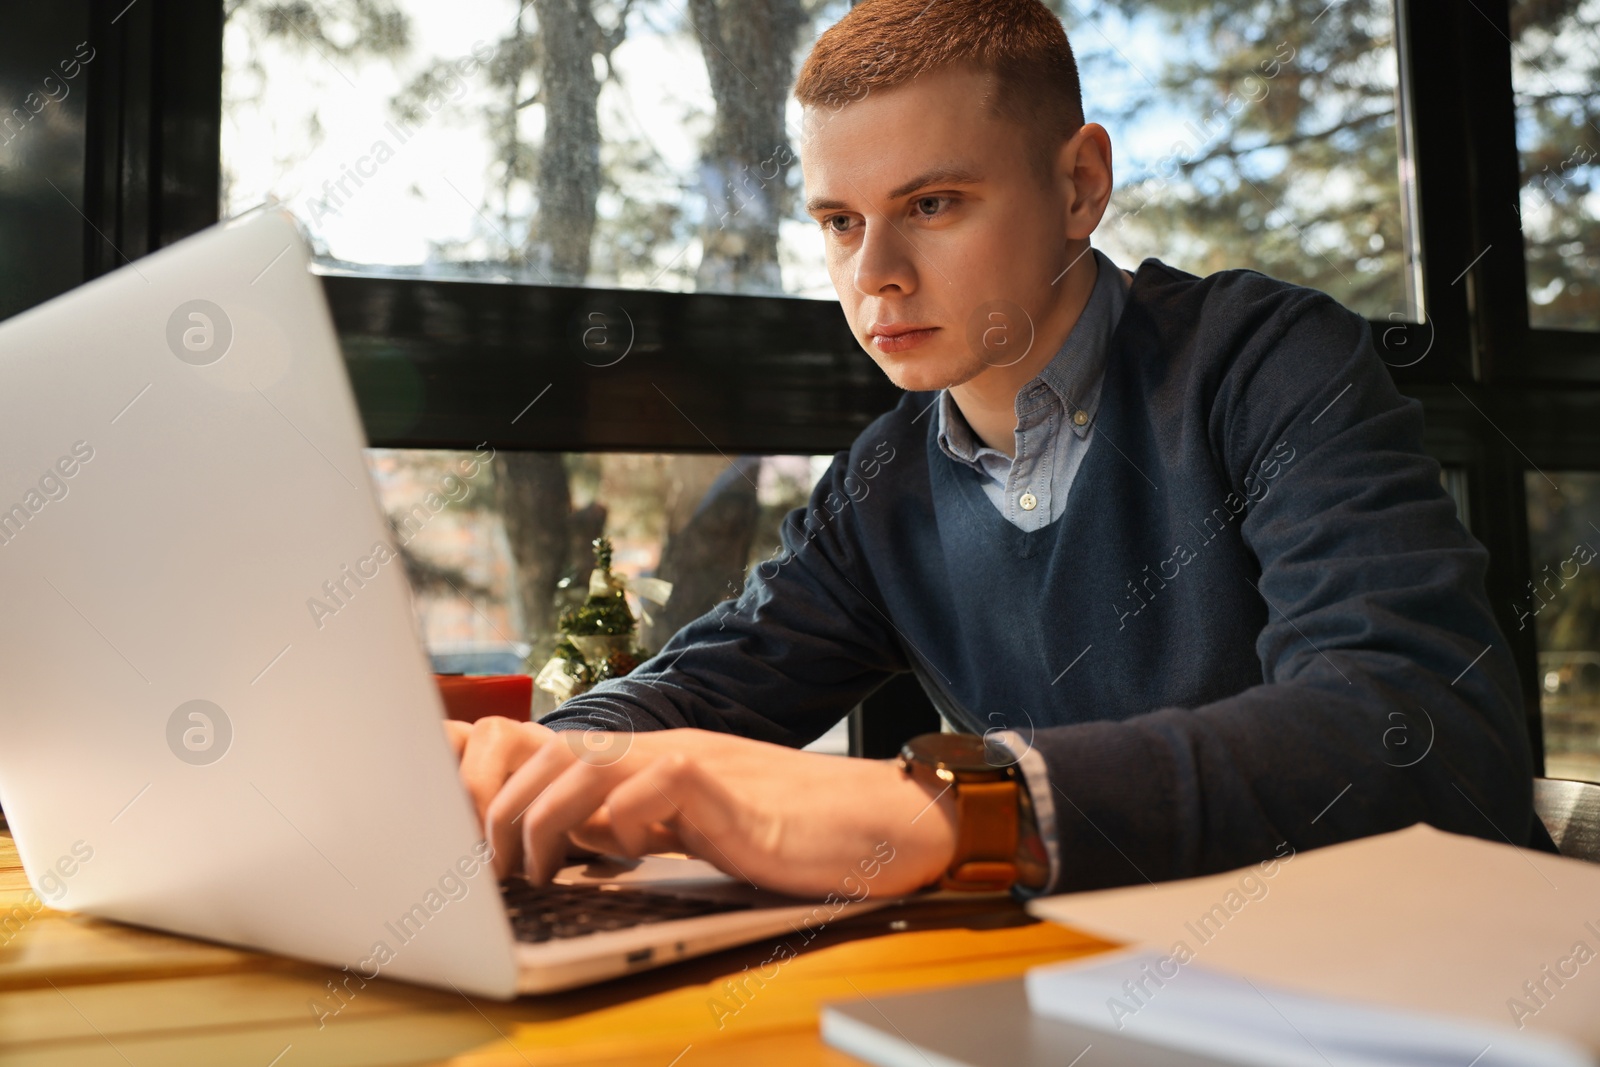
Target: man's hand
(490,750)
(796,822)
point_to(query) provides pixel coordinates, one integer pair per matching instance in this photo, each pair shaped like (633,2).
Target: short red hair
(883,43)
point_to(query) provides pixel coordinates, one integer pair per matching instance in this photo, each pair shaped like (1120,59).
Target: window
(486,602)
(1454,480)
(417,141)
(487,541)
(422,138)
(462,140)
(1556,73)
(1562,600)
(1248,135)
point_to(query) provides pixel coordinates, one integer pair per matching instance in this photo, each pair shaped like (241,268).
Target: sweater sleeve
(1388,693)
(806,639)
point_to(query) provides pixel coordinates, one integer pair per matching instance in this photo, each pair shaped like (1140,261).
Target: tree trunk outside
(531,489)
(569,160)
(748,46)
(534,497)
(705,559)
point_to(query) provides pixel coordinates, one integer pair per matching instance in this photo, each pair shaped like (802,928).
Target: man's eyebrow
(945,174)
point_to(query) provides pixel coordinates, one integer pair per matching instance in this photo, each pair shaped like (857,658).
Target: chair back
(1571,812)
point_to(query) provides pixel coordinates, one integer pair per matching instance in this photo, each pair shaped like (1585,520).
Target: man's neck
(989,401)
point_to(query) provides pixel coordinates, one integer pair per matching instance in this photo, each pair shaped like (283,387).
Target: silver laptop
(184,744)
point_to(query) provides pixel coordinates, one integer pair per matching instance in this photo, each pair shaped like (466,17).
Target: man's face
(935,218)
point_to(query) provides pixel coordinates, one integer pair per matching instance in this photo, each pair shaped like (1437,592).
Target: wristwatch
(997,839)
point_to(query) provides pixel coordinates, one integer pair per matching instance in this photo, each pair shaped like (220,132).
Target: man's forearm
(802,643)
(1182,792)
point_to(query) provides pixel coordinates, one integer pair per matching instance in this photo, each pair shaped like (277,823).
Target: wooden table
(79,992)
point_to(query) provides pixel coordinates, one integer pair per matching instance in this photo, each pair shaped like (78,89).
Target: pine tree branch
(1229,151)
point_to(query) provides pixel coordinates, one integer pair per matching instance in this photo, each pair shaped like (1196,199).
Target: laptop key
(555,912)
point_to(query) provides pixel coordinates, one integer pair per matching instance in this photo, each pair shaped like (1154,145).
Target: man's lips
(896,337)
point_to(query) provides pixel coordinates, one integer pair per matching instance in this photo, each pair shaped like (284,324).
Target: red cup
(468,698)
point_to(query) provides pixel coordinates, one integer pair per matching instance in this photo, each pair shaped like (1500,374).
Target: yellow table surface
(81,992)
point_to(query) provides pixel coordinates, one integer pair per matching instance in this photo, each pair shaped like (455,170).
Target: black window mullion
(1498,283)
(153,131)
(549,368)
(1431,78)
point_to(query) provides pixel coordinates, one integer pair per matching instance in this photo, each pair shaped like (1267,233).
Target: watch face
(964,753)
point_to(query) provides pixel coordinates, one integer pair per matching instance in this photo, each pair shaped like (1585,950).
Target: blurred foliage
(431,504)
(347,28)
(341,32)
(1296,173)
(1562,601)
(1288,162)
(1287,159)
(1556,70)
(1563,513)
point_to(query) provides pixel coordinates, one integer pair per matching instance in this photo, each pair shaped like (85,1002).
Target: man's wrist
(997,840)
(931,825)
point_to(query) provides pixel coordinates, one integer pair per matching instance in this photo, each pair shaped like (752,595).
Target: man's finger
(676,792)
(645,801)
(457,732)
(510,806)
(563,805)
(494,749)
(595,835)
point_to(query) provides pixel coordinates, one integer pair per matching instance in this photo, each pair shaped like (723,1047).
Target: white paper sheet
(1417,920)
(1143,995)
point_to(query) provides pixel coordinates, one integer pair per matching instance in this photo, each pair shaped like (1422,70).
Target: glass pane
(1563,602)
(1454,480)
(419,137)
(488,540)
(1253,135)
(1555,71)
(465,139)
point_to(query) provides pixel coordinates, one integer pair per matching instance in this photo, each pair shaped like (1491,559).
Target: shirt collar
(1073,374)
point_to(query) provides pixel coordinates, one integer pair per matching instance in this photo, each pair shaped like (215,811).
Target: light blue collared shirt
(1031,490)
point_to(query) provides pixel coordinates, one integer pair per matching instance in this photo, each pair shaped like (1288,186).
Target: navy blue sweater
(1258,620)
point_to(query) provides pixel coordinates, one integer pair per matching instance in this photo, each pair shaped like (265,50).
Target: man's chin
(921,374)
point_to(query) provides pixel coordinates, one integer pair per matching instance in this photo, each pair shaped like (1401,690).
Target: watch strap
(986,836)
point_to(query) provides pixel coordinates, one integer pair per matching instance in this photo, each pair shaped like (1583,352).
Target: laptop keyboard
(553,912)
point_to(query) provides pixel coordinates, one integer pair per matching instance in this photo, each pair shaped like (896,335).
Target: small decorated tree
(597,637)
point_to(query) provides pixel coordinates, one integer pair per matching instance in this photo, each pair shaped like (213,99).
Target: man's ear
(1083,175)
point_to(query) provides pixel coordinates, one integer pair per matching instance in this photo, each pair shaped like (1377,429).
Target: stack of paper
(1416,947)
(1241,1021)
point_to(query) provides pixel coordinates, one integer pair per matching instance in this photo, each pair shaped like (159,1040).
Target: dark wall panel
(43,111)
(451,364)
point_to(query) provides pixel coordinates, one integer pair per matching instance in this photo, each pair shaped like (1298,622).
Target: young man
(1171,544)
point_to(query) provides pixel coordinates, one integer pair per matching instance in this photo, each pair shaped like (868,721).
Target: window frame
(1500,397)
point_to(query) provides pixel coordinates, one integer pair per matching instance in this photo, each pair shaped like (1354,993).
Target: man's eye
(931,205)
(839,224)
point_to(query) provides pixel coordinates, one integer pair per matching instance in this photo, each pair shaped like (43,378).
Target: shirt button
(1028,501)
(1080,417)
